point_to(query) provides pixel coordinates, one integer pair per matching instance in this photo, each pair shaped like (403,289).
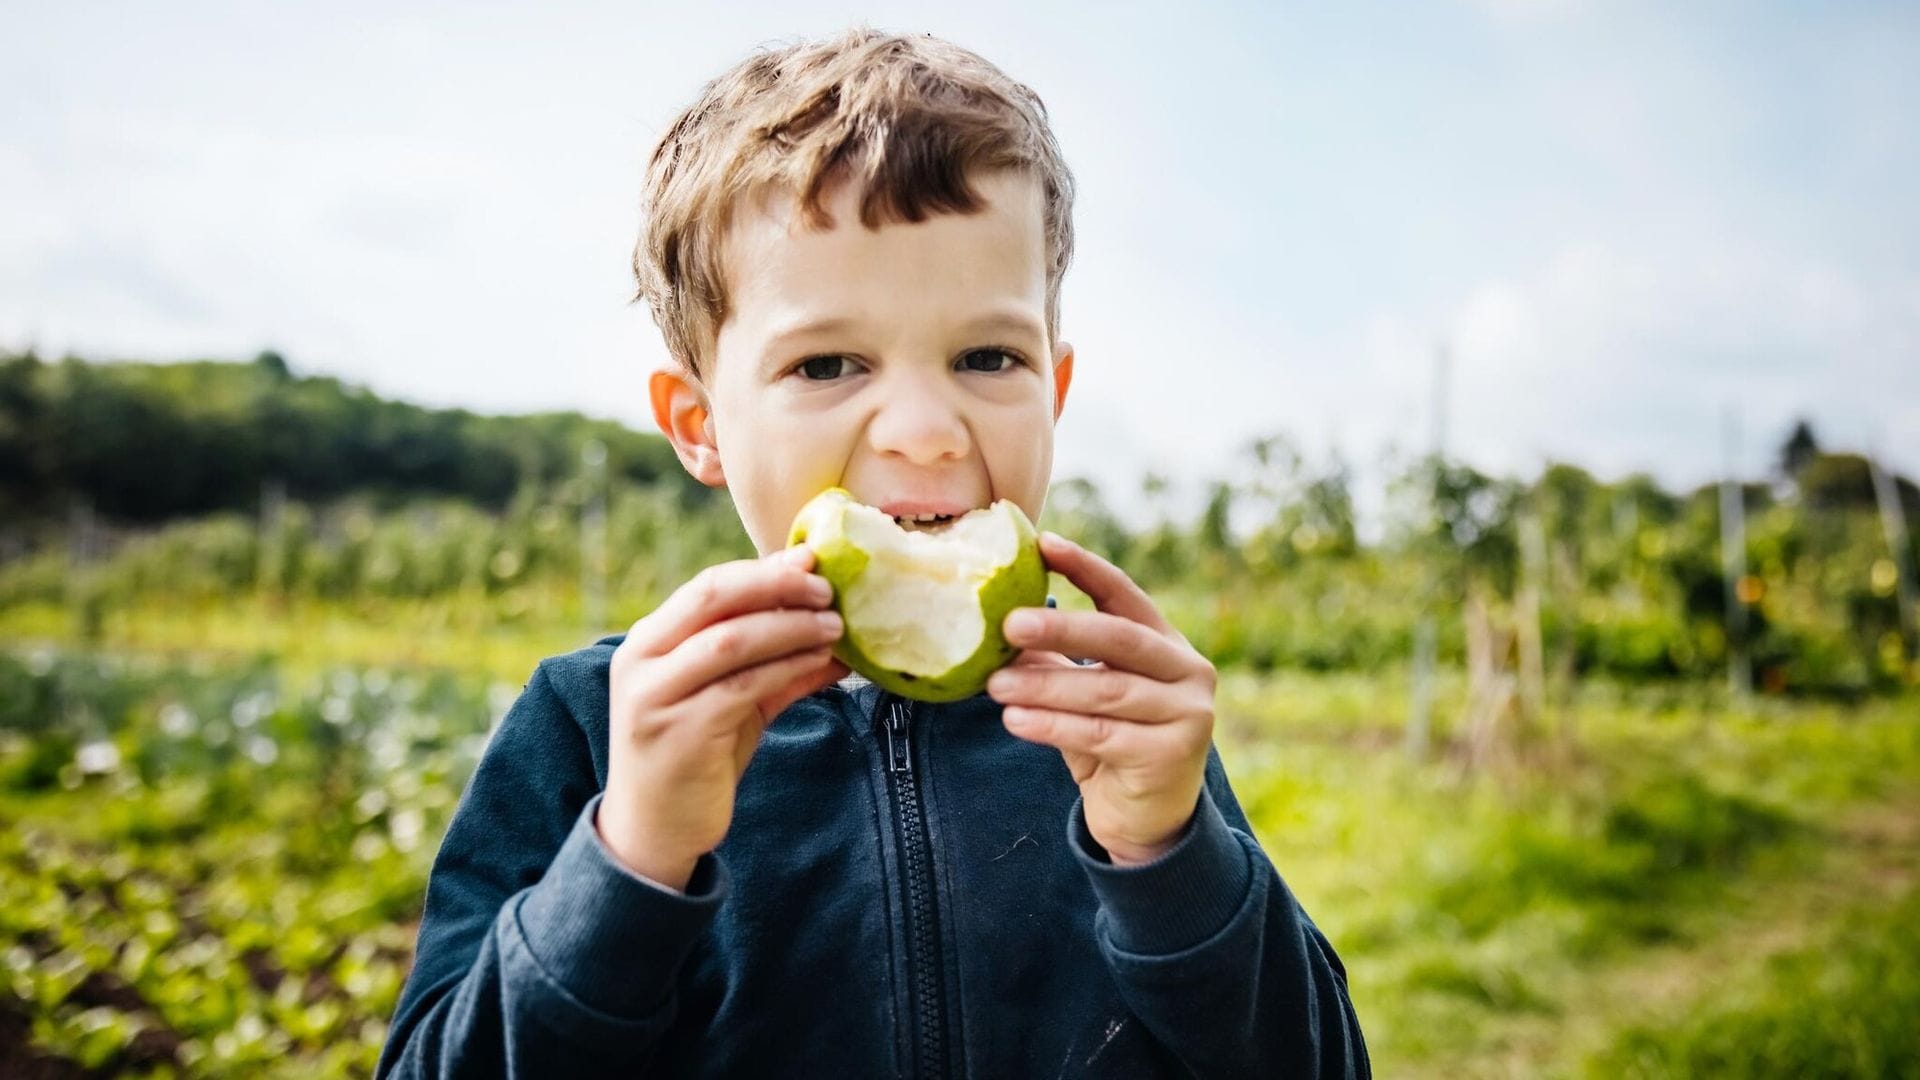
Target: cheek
(804,447)
(1017,444)
(777,458)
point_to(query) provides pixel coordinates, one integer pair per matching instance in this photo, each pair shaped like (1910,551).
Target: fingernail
(1023,624)
(797,554)
(819,588)
(829,622)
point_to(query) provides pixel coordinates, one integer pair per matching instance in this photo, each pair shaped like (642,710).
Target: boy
(701,847)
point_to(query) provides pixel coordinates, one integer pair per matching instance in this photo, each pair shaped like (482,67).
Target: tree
(148,442)
(274,365)
(1836,481)
(1799,449)
(1215,532)
(1075,509)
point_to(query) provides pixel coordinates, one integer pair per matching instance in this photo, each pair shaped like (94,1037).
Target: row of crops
(1820,601)
(216,873)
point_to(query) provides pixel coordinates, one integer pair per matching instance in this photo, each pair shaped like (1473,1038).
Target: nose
(918,421)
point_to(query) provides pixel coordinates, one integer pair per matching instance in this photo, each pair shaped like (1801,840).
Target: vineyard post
(1626,536)
(1420,698)
(1733,557)
(593,536)
(1533,574)
(1421,704)
(1894,522)
(271,566)
(83,596)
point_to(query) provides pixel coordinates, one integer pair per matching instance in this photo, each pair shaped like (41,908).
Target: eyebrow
(1010,322)
(808,328)
(1004,321)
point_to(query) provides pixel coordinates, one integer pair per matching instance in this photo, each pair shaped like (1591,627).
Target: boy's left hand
(1134,728)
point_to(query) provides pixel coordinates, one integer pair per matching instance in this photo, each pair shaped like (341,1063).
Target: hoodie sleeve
(1214,954)
(539,954)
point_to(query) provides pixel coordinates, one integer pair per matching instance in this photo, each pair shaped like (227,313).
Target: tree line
(143,443)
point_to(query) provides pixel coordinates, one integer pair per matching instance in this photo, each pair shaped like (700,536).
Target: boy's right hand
(690,691)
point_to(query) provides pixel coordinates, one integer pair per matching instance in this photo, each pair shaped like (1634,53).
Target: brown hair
(907,118)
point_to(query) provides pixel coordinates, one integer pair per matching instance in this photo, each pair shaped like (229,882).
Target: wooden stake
(271,569)
(1420,696)
(1733,559)
(593,537)
(1533,565)
(1420,706)
(1893,521)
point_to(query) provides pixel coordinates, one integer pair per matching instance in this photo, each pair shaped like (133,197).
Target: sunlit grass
(1494,922)
(1585,903)
(469,636)
(1847,1005)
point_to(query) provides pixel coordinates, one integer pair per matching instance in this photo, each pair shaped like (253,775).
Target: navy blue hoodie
(905,890)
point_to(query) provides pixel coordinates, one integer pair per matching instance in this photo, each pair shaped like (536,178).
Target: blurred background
(1518,401)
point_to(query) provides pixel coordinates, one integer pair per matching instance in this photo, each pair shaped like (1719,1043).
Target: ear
(1062,376)
(680,409)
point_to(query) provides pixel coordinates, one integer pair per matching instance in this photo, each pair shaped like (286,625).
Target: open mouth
(924,522)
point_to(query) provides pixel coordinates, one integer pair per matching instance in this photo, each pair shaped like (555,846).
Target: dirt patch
(20,1059)
(261,968)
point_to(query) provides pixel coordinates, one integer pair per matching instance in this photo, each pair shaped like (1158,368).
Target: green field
(212,864)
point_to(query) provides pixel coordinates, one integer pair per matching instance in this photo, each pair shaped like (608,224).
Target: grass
(1847,1006)
(1680,886)
(471,637)
(215,872)
(1508,922)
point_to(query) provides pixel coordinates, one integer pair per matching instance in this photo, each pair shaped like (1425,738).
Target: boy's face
(909,364)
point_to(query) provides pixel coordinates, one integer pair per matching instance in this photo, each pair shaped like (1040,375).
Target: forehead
(780,271)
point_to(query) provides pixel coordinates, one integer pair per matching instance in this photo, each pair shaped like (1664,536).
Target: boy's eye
(823,368)
(988,360)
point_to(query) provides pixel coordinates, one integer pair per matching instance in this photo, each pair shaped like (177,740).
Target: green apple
(923,607)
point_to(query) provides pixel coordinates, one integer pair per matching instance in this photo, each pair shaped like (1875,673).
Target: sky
(1624,223)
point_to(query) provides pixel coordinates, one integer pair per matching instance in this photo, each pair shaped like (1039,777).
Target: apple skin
(1022,583)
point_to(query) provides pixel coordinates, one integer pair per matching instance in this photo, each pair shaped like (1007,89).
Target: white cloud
(1618,223)
(1626,360)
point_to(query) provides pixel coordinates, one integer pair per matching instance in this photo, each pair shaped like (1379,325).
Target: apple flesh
(923,607)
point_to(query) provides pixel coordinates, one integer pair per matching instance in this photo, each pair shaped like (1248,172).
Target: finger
(723,649)
(1039,658)
(1089,691)
(800,686)
(1097,635)
(1103,738)
(729,589)
(1108,586)
(748,685)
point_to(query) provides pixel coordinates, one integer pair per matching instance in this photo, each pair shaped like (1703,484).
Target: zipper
(916,857)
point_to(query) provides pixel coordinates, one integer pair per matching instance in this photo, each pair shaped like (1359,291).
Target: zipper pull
(899,747)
